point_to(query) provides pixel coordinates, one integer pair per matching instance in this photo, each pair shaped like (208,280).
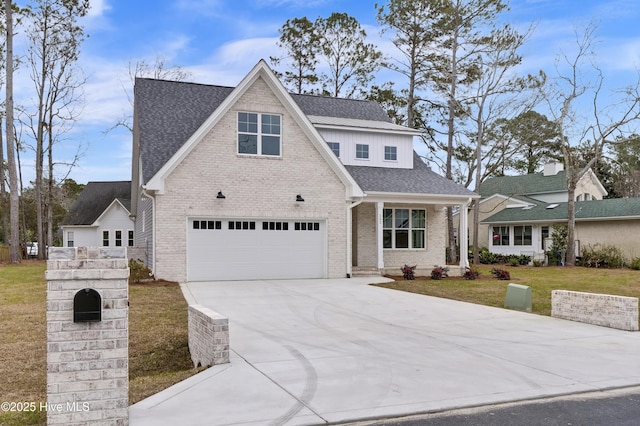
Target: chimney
(552,169)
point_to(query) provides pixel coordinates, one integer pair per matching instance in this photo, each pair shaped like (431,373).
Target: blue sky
(219,41)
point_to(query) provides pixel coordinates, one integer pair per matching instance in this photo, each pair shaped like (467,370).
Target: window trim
(259,135)
(409,229)
(394,151)
(334,146)
(360,150)
(523,236)
(501,236)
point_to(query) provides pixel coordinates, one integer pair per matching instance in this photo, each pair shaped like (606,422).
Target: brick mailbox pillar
(87,336)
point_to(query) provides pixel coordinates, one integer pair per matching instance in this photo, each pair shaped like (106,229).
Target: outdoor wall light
(299,198)
(220,195)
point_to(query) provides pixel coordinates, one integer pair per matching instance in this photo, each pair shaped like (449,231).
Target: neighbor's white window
(105,238)
(362,151)
(130,239)
(391,153)
(522,235)
(70,241)
(118,238)
(404,228)
(500,236)
(259,134)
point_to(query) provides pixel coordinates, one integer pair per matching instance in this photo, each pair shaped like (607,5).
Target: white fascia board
(114,202)
(409,198)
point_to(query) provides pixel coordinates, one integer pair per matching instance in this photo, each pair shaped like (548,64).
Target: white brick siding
(255,187)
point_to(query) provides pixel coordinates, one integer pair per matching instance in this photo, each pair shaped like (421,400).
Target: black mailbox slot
(87,306)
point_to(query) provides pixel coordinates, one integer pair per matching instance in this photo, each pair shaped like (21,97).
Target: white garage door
(225,249)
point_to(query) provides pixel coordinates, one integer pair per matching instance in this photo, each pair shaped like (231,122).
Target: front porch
(388,234)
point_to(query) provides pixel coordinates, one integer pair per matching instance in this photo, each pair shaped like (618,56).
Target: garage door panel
(256,249)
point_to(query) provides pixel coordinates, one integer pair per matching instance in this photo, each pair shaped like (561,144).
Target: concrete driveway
(326,351)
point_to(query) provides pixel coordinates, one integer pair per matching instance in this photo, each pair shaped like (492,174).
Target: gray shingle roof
(419,180)
(585,210)
(94,200)
(535,183)
(169,112)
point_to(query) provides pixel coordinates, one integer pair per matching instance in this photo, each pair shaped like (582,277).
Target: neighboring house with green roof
(517,213)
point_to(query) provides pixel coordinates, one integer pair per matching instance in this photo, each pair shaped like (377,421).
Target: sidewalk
(326,351)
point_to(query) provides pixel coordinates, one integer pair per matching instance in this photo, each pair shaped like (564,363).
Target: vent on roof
(553,206)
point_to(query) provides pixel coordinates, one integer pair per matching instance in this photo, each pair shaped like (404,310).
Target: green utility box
(518,297)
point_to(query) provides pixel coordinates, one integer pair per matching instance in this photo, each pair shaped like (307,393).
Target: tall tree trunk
(4,206)
(450,136)
(14,240)
(49,195)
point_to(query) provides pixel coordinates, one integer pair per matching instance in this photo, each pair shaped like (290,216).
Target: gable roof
(170,112)
(260,71)
(95,198)
(534,183)
(608,209)
(419,180)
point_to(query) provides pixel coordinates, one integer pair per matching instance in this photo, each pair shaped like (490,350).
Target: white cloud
(98,8)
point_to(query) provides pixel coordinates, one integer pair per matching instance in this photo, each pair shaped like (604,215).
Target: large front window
(522,236)
(259,134)
(404,228)
(500,235)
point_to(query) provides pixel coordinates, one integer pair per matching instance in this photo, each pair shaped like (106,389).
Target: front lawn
(487,290)
(158,339)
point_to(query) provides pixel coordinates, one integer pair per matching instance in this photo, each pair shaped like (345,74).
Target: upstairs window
(130,239)
(259,134)
(70,241)
(362,151)
(118,238)
(391,153)
(335,147)
(105,238)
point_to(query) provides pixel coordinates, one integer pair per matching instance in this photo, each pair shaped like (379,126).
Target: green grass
(158,340)
(487,290)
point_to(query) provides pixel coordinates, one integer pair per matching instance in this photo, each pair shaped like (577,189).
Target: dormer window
(259,134)
(362,151)
(391,153)
(335,147)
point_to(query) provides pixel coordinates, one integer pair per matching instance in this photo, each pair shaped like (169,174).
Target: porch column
(463,237)
(380,251)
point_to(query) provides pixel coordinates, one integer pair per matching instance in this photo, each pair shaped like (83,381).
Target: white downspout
(464,235)
(153,229)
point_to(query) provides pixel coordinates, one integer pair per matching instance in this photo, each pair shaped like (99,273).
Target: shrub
(602,256)
(513,261)
(138,272)
(635,264)
(439,272)
(537,263)
(470,274)
(408,272)
(501,274)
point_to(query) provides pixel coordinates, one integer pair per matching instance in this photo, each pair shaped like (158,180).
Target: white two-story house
(252,182)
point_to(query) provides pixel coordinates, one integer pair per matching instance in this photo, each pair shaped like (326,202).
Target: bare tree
(157,69)
(14,240)
(54,45)
(603,126)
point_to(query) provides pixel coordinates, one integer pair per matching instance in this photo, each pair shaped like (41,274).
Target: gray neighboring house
(100,217)
(252,182)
